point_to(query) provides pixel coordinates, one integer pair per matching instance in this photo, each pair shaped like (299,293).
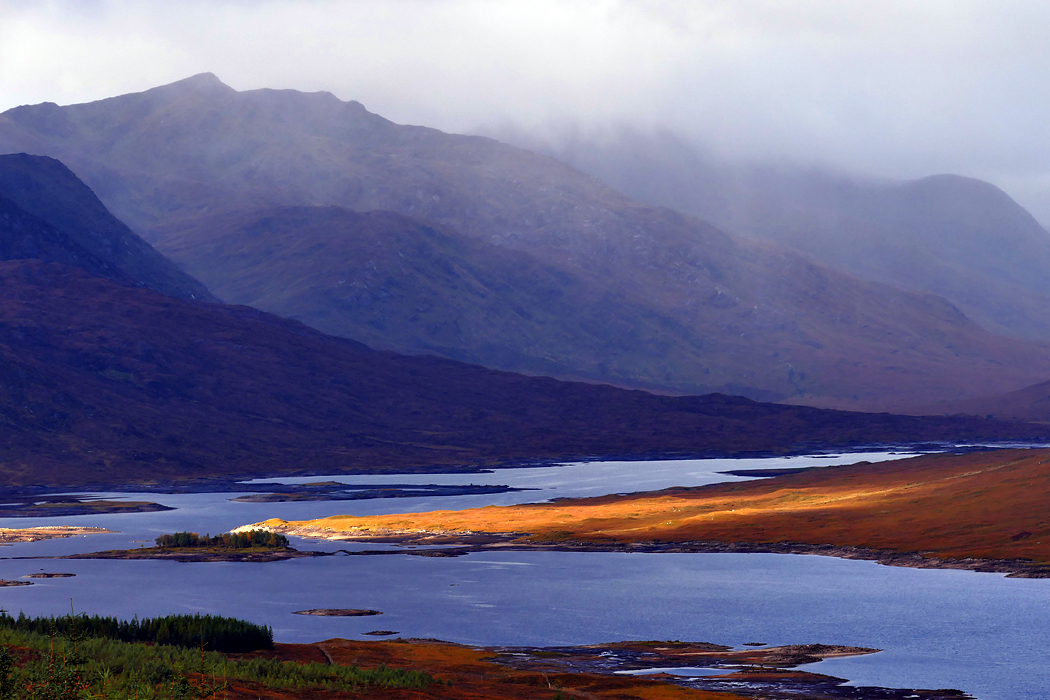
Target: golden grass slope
(993,505)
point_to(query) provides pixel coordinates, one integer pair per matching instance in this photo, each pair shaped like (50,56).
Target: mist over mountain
(962,238)
(550,269)
(62,220)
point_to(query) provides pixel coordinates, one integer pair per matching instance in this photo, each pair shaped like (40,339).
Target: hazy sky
(898,89)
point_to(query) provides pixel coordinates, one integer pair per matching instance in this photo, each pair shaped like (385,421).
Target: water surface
(982,633)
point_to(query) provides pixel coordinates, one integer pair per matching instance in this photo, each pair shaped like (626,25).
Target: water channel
(981,633)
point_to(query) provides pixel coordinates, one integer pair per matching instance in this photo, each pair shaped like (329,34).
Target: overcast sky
(898,89)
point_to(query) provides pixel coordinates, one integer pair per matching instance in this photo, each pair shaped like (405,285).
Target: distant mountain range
(480,251)
(103,383)
(958,237)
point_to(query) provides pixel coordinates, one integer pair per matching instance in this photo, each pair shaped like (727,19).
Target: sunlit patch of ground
(993,505)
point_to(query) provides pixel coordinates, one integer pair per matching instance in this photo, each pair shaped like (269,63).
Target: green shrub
(74,668)
(253,539)
(225,634)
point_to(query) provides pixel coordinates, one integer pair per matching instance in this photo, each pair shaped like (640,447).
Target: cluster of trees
(228,540)
(224,634)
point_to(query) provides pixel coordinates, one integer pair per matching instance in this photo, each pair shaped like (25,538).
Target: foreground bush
(73,668)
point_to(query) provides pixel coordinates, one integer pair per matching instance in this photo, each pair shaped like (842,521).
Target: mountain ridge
(772,322)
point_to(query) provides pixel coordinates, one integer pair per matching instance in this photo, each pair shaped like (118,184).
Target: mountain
(102,383)
(23,237)
(958,237)
(663,300)
(395,282)
(78,229)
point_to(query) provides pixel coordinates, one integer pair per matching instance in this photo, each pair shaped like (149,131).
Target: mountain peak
(201,82)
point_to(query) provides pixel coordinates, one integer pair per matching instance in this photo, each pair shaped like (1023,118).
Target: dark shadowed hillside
(24,236)
(47,190)
(108,383)
(663,299)
(1030,404)
(959,237)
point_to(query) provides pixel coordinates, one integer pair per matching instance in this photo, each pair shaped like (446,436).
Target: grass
(985,505)
(57,668)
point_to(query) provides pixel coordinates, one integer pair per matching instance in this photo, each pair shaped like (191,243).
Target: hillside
(394,282)
(46,189)
(108,383)
(666,301)
(958,237)
(24,236)
(1031,404)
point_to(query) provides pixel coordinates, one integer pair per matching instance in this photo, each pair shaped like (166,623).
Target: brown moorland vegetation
(102,383)
(586,672)
(473,676)
(1031,403)
(982,505)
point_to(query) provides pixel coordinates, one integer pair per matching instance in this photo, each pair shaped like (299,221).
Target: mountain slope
(959,237)
(1031,403)
(771,323)
(24,236)
(46,189)
(397,283)
(101,382)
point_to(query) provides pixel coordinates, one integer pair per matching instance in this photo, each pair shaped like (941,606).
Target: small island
(36,506)
(10,535)
(49,575)
(338,612)
(244,545)
(245,539)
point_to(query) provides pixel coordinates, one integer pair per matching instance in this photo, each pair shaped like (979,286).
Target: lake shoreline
(231,483)
(612,670)
(455,547)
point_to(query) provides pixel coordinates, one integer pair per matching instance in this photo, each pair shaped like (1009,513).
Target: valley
(106,384)
(503,404)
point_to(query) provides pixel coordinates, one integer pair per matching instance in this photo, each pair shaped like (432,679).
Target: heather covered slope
(24,236)
(1031,403)
(108,383)
(770,323)
(46,189)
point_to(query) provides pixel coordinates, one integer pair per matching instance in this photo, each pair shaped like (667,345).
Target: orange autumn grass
(993,505)
(472,673)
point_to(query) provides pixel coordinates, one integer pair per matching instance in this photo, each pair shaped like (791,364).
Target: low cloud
(895,88)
